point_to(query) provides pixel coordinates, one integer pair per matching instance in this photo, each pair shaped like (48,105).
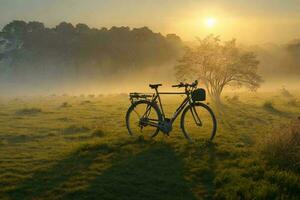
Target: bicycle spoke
(144,120)
(137,113)
(156,120)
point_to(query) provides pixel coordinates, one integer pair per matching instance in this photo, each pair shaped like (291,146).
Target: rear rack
(135,96)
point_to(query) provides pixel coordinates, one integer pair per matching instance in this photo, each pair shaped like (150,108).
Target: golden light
(210,22)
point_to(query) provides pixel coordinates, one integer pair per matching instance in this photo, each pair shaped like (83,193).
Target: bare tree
(219,64)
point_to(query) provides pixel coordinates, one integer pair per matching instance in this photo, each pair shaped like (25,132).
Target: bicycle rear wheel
(198,123)
(142,118)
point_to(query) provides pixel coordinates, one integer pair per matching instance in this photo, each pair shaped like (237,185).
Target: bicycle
(146,114)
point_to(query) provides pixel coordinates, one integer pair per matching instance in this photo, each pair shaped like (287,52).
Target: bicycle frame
(186,101)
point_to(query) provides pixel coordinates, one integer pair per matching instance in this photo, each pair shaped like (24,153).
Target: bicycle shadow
(210,174)
(154,173)
(203,170)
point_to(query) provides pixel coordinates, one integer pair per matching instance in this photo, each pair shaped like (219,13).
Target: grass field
(63,147)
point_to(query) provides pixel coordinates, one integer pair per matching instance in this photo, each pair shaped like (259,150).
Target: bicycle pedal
(167,134)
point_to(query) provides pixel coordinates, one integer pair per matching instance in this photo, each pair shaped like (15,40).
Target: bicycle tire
(131,109)
(211,113)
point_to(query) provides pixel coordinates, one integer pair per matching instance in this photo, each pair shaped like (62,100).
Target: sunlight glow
(210,22)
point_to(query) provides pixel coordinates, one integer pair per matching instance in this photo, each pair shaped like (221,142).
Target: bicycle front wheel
(142,118)
(198,123)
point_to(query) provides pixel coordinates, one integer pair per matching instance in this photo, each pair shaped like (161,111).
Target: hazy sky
(252,21)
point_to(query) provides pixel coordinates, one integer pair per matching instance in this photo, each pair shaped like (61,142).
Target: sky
(250,21)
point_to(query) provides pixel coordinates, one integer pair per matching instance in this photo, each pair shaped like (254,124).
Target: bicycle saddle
(154,86)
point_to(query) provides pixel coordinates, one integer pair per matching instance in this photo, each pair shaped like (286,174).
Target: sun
(210,22)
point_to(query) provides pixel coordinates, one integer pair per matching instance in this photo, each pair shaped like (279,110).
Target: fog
(74,60)
(88,83)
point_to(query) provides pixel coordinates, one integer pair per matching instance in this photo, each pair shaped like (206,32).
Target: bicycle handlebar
(181,84)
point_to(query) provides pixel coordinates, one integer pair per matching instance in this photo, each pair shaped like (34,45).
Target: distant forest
(28,49)
(33,54)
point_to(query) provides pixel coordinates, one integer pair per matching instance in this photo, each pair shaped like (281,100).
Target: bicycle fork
(196,116)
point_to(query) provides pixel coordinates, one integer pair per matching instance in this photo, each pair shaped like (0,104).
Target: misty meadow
(219,120)
(78,59)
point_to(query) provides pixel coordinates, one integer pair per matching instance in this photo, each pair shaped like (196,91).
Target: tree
(11,38)
(82,28)
(13,33)
(218,65)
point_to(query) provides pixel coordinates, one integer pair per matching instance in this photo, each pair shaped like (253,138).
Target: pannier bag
(199,95)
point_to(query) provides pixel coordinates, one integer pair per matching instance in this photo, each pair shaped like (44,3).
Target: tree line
(30,47)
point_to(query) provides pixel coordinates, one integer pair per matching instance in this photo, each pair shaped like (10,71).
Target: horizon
(192,39)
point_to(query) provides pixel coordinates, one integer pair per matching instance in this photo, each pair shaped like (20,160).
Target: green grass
(78,148)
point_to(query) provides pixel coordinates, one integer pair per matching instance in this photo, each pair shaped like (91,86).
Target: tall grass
(282,147)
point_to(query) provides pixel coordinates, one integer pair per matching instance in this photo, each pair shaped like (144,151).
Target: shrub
(85,102)
(234,98)
(75,129)
(29,111)
(269,106)
(292,102)
(282,148)
(65,105)
(98,133)
(285,93)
